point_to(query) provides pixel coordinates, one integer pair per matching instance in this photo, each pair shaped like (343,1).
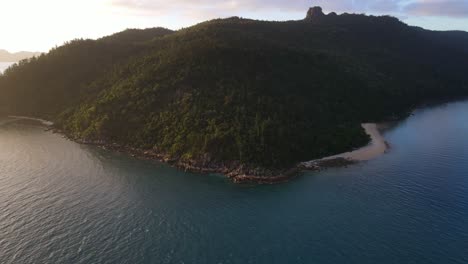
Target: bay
(61,202)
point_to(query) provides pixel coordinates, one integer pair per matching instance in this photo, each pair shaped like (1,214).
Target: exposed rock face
(314,12)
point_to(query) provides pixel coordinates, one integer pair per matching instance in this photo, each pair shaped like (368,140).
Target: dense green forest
(263,93)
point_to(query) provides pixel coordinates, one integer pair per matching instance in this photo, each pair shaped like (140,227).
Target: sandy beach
(375,148)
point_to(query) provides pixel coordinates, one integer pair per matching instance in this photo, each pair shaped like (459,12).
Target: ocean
(62,202)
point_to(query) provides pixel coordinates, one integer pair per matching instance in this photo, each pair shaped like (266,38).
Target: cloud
(450,8)
(360,6)
(204,8)
(208,7)
(230,4)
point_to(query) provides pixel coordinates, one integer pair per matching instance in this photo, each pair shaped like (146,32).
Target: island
(6,56)
(257,101)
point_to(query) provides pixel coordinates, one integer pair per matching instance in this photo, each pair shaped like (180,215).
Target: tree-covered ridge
(48,84)
(258,92)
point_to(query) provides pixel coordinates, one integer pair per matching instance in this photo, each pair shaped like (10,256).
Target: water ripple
(61,202)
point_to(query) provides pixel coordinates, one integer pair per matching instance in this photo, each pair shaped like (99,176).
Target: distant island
(6,56)
(250,99)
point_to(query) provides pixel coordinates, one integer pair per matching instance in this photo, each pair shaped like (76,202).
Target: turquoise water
(61,202)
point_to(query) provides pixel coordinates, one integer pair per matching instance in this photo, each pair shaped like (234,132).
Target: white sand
(376,147)
(42,121)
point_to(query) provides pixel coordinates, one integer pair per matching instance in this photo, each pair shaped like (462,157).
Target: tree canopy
(258,92)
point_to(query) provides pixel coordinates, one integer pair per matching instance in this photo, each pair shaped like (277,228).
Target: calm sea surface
(61,202)
(5,65)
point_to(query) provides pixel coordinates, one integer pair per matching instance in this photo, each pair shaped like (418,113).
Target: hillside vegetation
(261,93)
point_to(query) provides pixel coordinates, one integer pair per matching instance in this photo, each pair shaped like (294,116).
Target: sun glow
(40,25)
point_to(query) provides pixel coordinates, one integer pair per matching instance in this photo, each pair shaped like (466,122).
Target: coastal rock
(314,12)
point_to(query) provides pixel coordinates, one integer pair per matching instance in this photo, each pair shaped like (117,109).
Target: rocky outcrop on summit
(314,12)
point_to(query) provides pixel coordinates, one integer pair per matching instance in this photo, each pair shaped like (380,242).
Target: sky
(39,25)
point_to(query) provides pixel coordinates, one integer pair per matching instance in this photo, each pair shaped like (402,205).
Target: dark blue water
(61,202)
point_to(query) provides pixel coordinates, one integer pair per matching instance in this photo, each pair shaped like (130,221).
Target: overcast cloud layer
(41,25)
(442,8)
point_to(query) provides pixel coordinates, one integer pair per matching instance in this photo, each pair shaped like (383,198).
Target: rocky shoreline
(234,170)
(241,173)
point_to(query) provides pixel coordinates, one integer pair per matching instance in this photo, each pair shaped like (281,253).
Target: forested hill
(262,93)
(50,83)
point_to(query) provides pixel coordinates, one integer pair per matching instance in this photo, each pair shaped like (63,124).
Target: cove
(62,202)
